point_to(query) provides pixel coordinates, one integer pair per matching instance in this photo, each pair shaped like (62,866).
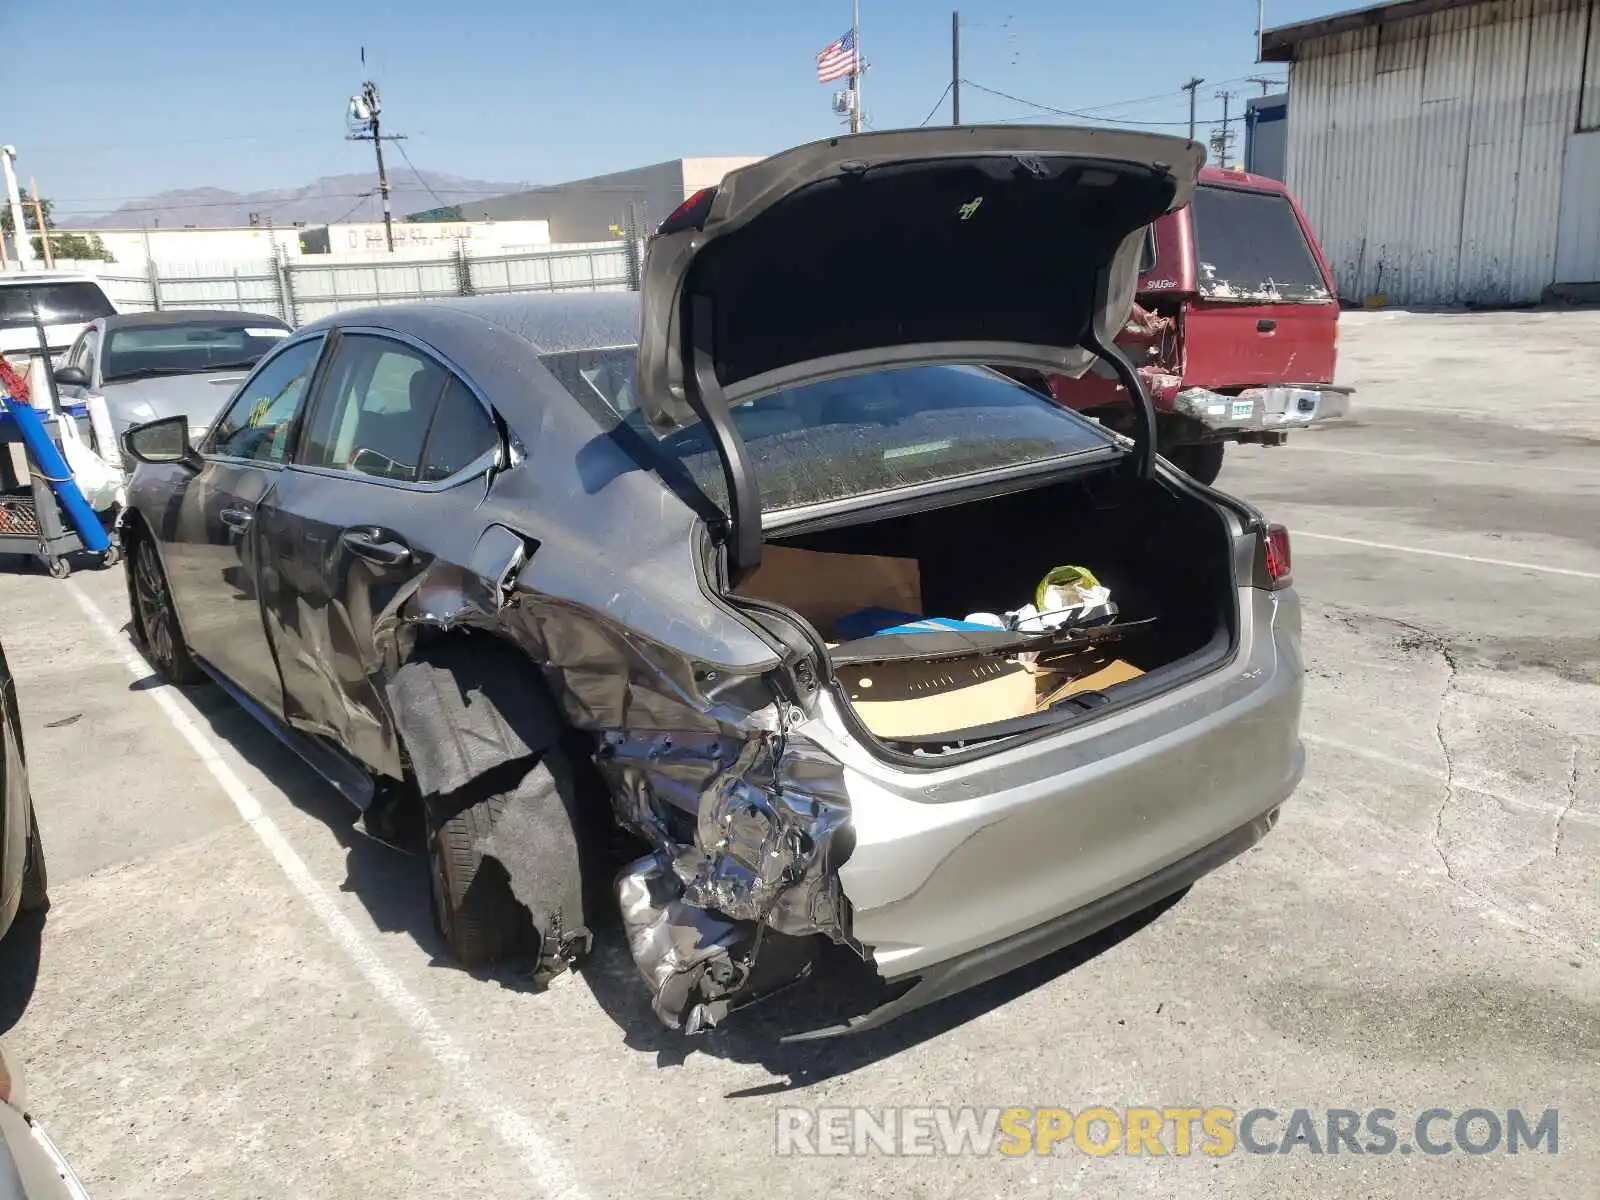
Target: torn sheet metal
(750,829)
(700,965)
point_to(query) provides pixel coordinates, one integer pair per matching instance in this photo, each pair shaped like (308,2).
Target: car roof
(1231,177)
(188,316)
(550,323)
(34,278)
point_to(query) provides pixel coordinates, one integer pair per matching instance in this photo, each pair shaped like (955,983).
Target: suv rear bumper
(962,874)
(1275,409)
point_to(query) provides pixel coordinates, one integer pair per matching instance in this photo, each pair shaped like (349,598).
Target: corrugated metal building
(589,210)
(1448,151)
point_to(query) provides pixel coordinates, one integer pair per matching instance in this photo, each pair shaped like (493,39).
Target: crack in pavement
(1572,799)
(1449,764)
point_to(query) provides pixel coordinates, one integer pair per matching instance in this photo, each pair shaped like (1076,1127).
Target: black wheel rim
(155,610)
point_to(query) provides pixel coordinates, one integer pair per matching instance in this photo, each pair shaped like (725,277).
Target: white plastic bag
(98,480)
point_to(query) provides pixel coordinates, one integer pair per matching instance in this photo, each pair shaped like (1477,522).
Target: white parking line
(1471,558)
(552,1176)
(1532,464)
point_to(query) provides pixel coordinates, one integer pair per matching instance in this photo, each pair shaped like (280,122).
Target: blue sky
(107,100)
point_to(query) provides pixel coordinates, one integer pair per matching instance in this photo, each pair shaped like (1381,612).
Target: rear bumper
(1276,409)
(990,962)
(962,874)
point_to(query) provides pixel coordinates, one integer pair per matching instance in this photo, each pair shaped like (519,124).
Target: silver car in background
(165,364)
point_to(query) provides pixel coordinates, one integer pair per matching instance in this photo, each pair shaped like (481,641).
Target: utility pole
(855,76)
(38,220)
(955,68)
(1263,81)
(1222,140)
(1191,87)
(364,110)
(1261,22)
(19,227)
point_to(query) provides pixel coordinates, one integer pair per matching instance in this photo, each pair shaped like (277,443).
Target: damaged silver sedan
(856,639)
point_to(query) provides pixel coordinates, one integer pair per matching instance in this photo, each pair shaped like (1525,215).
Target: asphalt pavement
(237,994)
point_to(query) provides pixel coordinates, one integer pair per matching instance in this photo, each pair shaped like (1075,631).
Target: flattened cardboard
(1113,672)
(909,699)
(823,587)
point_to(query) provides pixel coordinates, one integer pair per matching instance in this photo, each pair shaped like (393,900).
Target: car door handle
(1265,326)
(236,518)
(372,546)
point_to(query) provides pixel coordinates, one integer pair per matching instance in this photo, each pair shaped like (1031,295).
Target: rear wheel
(473,904)
(1201,461)
(155,618)
(35,881)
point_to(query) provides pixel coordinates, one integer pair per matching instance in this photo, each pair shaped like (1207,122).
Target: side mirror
(162,441)
(72,377)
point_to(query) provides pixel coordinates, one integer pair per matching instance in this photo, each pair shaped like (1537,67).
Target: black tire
(35,879)
(155,620)
(1201,461)
(473,905)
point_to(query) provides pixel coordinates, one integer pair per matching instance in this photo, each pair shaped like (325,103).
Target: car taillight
(1276,556)
(691,214)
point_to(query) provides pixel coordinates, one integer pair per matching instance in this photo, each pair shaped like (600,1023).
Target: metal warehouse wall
(1429,152)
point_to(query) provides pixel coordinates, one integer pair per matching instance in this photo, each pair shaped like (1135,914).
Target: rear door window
(373,414)
(59,304)
(462,434)
(1249,247)
(855,436)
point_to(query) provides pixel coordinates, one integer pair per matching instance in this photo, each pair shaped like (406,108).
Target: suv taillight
(1276,558)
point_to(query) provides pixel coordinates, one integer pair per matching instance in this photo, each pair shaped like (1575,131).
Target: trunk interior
(1166,558)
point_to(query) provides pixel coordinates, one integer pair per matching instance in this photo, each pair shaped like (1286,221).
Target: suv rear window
(1249,246)
(853,436)
(59,304)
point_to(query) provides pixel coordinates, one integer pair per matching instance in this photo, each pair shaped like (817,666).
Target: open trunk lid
(976,244)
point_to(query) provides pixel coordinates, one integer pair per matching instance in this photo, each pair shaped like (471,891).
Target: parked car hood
(199,397)
(972,244)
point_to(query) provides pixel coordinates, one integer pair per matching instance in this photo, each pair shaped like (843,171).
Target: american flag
(837,59)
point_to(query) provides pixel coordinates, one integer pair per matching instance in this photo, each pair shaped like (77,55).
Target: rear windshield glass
(187,348)
(1249,247)
(850,437)
(59,304)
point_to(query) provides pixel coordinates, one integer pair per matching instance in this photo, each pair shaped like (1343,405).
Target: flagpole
(855,76)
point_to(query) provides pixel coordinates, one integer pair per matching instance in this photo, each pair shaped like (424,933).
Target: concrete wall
(135,247)
(481,237)
(1429,152)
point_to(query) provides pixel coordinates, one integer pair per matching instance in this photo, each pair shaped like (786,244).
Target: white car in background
(66,302)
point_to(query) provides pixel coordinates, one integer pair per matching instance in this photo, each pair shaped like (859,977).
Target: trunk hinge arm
(1143,462)
(703,391)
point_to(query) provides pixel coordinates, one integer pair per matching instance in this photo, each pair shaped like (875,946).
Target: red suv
(1235,328)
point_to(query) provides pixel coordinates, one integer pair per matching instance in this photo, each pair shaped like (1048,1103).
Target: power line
(936,104)
(400,146)
(1076,114)
(365,196)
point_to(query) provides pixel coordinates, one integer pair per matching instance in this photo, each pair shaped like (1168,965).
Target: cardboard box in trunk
(823,587)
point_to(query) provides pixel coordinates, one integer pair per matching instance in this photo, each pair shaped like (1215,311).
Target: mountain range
(331,198)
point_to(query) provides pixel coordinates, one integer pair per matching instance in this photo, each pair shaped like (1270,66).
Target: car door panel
(211,546)
(357,525)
